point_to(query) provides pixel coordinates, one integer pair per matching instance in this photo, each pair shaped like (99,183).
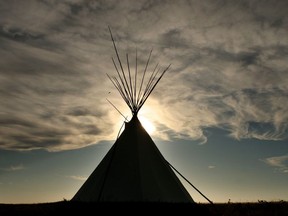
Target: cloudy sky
(220,112)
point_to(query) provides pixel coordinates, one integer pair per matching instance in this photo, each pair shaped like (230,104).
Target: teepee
(133,170)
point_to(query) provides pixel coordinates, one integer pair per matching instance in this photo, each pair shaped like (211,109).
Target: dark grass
(249,209)
(130,208)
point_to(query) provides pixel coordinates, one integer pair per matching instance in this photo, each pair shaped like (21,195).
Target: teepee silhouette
(133,170)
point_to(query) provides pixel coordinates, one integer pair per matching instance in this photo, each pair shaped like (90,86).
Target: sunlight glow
(149,127)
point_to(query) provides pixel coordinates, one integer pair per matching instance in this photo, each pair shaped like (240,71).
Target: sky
(220,112)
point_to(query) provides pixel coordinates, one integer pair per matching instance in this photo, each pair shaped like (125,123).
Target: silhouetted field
(77,208)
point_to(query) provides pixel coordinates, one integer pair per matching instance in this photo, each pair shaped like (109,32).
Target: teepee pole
(189,182)
(123,77)
(135,95)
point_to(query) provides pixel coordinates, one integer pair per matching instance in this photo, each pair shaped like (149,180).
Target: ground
(220,209)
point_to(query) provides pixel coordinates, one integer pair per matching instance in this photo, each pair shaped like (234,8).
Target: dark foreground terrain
(76,208)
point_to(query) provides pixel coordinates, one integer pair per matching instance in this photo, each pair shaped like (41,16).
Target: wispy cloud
(228,73)
(279,162)
(13,168)
(79,178)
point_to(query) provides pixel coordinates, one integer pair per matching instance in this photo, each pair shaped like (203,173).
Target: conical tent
(133,170)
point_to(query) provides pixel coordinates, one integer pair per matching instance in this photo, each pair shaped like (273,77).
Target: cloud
(13,168)
(79,178)
(229,69)
(279,162)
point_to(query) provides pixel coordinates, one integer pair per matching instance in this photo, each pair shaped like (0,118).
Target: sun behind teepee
(134,169)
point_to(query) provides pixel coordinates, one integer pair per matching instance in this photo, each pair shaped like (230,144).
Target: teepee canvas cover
(134,169)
